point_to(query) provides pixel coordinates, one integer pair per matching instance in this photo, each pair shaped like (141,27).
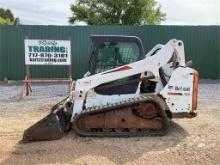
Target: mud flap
(48,128)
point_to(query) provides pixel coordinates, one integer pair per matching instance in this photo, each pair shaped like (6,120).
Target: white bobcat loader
(125,93)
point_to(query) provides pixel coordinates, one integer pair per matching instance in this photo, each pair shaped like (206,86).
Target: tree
(5,21)
(116,12)
(7,17)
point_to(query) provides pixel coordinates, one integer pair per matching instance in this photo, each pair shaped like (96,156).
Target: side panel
(179,92)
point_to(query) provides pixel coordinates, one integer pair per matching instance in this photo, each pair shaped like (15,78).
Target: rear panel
(181,91)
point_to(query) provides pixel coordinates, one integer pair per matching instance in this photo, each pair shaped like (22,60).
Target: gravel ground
(190,141)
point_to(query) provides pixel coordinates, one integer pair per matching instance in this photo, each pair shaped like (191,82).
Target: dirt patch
(190,141)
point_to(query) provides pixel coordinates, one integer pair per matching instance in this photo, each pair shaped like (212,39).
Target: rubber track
(114,107)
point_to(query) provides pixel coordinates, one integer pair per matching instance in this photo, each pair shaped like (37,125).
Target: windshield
(115,54)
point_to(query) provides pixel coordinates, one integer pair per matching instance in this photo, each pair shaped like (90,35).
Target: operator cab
(111,51)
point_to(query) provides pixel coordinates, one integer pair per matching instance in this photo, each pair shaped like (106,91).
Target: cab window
(112,55)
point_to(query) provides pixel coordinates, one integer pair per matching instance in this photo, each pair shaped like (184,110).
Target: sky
(57,12)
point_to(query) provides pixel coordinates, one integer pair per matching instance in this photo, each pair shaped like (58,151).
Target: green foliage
(116,12)
(5,21)
(7,17)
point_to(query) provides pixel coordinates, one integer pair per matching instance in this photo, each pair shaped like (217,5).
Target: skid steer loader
(125,93)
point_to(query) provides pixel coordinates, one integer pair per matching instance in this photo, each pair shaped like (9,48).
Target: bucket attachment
(48,128)
(52,127)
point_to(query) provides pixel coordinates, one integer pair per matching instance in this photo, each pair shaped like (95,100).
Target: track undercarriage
(140,116)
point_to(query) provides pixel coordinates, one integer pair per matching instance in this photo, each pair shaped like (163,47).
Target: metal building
(202,45)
